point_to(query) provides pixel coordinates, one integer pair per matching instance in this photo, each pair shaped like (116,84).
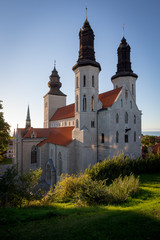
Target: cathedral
(94,127)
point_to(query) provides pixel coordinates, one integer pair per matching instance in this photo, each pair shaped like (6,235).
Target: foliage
(4,132)
(4,161)
(148,140)
(82,190)
(16,189)
(118,165)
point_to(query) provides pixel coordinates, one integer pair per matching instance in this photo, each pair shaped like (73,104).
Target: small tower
(86,96)
(28,119)
(124,74)
(54,99)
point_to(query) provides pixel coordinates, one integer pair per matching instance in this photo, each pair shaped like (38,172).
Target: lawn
(138,218)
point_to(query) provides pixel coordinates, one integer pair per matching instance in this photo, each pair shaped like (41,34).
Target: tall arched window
(92,81)
(117,137)
(59,164)
(126,93)
(84,81)
(121,103)
(102,138)
(92,103)
(134,119)
(117,118)
(132,89)
(77,103)
(34,154)
(76,82)
(84,103)
(134,136)
(126,117)
(76,123)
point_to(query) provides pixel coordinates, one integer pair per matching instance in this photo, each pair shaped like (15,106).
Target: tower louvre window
(117,137)
(117,118)
(84,103)
(76,123)
(126,138)
(84,81)
(134,136)
(92,103)
(92,81)
(126,117)
(134,119)
(102,138)
(76,82)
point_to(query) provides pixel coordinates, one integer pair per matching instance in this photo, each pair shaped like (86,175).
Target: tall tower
(124,74)
(28,119)
(54,99)
(86,93)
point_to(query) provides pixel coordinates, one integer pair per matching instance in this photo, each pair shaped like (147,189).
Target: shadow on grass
(78,223)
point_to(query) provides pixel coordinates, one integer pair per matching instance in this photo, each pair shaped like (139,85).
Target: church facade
(91,129)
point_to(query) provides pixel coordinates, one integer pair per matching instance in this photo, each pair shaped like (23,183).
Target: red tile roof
(108,98)
(64,112)
(40,132)
(60,136)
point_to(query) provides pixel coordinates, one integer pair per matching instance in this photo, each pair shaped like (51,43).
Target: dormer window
(33,135)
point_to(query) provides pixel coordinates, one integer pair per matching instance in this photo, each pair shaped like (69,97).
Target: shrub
(16,189)
(82,190)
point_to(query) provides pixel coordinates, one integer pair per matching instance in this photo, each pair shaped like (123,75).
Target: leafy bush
(113,168)
(82,190)
(16,189)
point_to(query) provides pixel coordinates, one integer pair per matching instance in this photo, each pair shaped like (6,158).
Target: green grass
(138,218)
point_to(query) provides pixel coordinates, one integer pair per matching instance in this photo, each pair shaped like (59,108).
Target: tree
(4,132)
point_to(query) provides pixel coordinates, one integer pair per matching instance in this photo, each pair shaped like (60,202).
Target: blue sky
(34,33)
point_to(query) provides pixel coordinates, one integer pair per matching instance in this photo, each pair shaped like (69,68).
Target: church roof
(108,98)
(64,112)
(60,136)
(40,132)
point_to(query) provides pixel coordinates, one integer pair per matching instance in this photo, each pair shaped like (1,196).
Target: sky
(35,33)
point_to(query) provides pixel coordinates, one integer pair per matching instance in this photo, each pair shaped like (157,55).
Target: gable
(108,98)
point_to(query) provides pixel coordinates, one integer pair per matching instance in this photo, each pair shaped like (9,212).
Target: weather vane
(123,29)
(86,10)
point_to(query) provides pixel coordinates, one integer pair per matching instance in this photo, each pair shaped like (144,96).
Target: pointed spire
(54,84)
(28,119)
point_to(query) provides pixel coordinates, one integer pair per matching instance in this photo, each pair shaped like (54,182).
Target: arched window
(84,81)
(92,81)
(132,89)
(76,123)
(59,164)
(117,118)
(126,94)
(92,103)
(102,138)
(126,138)
(76,82)
(84,103)
(121,103)
(134,136)
(77,103)
(126,117)
(134,119)
(34,154)
(130,104)
(117,137)
(92,124)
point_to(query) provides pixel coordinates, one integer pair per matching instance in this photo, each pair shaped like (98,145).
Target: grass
(138,218)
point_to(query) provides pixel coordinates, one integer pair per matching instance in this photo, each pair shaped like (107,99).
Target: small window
(76,82)
(126,94)
(76,123)
(92,124)
(102,138)
(134,136)
(132,89)
(84,81)
(65,123)
(92,103)
(134,119)
(117,118)
(92,81)
(126,117)
(121,103)
(117,137)
(126,138)
(130,104)
(84,103)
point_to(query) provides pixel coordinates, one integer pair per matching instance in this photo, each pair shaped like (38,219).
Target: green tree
(4,132)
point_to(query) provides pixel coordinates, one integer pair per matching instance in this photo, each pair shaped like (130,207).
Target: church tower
(124,74)
(54,99)
(28,119)
(86,94)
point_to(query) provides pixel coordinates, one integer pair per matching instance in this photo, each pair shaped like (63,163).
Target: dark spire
(54,84)
(28,119)
(86,51)
(124,63)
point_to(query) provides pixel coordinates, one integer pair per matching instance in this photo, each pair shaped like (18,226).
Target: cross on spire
(86,11)
(123,29)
